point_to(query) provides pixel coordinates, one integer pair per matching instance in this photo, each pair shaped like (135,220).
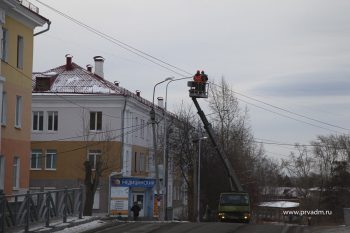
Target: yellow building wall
(16,142)
(71,157)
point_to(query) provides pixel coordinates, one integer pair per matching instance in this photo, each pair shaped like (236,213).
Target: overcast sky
(294,54)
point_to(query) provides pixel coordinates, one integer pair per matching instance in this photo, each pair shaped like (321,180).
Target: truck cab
(234,206)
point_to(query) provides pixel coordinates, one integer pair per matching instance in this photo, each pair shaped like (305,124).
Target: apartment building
(18,19)
(78,116)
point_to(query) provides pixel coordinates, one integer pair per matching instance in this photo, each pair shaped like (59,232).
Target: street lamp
(165,152)
(153,120)
(199,175)
(154,88)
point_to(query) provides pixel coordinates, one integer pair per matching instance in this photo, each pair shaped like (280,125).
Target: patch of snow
(52,73)
(99,89)
(83,227)
(279,204)
(72,79)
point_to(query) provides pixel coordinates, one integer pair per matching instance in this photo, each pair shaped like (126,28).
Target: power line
(84,135)
(290,112)
(280,114)
(147,56)
(101,142)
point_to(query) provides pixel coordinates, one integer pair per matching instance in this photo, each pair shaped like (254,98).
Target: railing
(32,208)
(29,5)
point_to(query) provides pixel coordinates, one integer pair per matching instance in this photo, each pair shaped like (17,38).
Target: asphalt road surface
(186,227)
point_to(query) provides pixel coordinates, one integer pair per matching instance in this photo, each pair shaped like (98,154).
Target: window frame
(38,159)
(16,168)
(136,126)
(142,130)
(53,159)
(20,51)
(54,123)
(95,125)
(142,162)
(39,121)
(4,109)
(4,45)
(95,154)
(18,111)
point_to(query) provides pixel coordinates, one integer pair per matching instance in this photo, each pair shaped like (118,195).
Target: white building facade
(77,115)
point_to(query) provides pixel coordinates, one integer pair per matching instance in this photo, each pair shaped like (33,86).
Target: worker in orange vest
(198,80)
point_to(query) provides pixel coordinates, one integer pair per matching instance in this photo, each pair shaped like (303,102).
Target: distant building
(77,115)
(18,20)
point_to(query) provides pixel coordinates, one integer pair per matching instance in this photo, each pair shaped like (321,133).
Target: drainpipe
(123,131)
(45,30)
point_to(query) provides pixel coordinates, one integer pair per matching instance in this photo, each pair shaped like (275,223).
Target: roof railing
(29,5)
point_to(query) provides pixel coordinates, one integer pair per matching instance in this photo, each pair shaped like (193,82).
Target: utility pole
(153,121)
(156,159)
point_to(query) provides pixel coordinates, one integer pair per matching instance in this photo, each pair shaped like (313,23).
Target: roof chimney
(138,93)
(116,83)
(69,65)
(99,65)
(89,68)
(160,102)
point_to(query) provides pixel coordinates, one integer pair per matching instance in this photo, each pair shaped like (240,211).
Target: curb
(62,226)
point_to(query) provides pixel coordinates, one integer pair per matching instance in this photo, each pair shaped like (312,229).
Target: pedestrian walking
(136,210)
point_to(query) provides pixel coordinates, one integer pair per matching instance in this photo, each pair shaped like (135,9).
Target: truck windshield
(234,199)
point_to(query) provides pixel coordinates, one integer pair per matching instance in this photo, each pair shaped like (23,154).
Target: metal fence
(27,209)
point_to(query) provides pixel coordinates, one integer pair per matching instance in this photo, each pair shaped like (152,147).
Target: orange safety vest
(197,78)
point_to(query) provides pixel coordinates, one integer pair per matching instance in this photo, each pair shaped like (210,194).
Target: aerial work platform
(198,89)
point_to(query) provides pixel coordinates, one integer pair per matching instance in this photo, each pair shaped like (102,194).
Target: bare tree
(100,164)
(300,166)
(332,156)
(183,131)
(231,125)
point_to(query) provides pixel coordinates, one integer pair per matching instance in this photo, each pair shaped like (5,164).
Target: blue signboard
(132,182)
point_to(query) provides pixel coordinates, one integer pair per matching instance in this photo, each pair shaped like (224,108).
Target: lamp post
(153,120)
(165,152)
(199,175)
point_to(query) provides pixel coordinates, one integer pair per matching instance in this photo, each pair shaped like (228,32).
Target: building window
(136,163)
(142,131)
(3,108)
(2,171)
(142,162)
(38,121)
(94,156)
(4,44)
(35,163)
(15,172)
(52,121)
(139,162)
(136,126)
(18,114)
(95,120)
(20,52)
(50,163)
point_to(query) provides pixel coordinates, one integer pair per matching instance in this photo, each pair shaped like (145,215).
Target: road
(186,227)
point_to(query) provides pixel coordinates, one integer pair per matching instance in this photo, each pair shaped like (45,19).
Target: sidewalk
(73,224)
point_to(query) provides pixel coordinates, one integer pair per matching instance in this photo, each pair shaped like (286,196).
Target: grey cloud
(308,84)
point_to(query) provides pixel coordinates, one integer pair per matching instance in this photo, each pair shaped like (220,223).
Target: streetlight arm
(154,88)
(166,89)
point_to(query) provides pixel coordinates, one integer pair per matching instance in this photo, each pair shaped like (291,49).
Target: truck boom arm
(234,182)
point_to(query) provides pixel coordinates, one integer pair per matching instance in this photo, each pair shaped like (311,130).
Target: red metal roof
(80,81)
